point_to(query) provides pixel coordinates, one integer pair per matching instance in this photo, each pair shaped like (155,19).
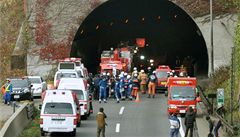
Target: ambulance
(182,94)
(60,112)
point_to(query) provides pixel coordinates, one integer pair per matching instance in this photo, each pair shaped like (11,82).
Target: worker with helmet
(152,81)
(135,85)
(124,86)
(117,88)
(8,91)
(129,91)
(143,81)
(149,71)
(103,92)
(134,71)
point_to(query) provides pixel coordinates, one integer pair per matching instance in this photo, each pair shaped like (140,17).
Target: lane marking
(121,110)
(181,128)
(117,127)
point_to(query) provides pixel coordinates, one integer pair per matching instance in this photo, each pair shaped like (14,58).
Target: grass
(32,130)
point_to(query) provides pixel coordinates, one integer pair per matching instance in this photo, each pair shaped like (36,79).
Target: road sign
(220,97)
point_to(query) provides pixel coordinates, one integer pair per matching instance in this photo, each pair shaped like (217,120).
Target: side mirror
(40,106)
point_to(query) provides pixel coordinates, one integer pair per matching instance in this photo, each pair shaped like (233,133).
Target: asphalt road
(147,118)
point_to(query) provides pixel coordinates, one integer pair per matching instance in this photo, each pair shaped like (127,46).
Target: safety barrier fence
(18,121)
(231,130)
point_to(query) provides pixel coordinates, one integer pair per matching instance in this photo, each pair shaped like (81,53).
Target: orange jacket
(3,90)
(143,78)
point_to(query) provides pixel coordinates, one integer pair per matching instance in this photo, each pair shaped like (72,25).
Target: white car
(64,74)
(59,112)
(38,85)
(78,85)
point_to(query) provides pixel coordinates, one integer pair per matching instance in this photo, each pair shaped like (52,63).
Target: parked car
(22,89)
(39,85)
(77,85)
(59,112)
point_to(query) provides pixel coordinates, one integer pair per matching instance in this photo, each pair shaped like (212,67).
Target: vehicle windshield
(35,80)
(182,92)
(66,75)
(79,93)
(20,83)
(66,66)
(58,108)
(161,74)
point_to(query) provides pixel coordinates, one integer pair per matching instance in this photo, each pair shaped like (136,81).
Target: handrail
(206,102)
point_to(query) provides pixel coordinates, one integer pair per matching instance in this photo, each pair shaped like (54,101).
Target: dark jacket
(101,119)
(190,119)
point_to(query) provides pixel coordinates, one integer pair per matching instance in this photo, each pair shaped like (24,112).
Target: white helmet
(122,72)
(181,74)
(135,74)
(171,74)
(125,74)
(104,73)
(108,74)
(154,72)
(142,71)
(128,76)
(135,68)
(149,68)
(173,71)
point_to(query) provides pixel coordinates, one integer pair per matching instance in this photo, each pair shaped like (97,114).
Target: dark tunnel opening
(169,32)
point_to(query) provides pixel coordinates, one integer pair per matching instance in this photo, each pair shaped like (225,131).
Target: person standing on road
(189,121)
(219,124)
(8,90)
(174,124)
(143,81)
(210,123)
(135,85)
(117,89)
(103,92)
(152,81)
(101,116)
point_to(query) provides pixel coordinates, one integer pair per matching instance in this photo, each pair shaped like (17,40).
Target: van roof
(58,96)
(71,83)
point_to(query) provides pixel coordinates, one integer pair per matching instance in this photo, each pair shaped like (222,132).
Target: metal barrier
(229,128)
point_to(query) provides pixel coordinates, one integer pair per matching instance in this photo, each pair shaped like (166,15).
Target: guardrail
(229,128)
(18,121)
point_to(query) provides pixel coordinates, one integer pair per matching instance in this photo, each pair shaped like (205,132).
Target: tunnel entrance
(170,33)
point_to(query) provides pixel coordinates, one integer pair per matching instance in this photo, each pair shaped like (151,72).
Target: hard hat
(149,67)
(173,71)
(181,74)
(135,68)
(128,76)
(154,72)
(122,72)
(135,75)
(142,71)
(125,74)
(104,73)
(108,74)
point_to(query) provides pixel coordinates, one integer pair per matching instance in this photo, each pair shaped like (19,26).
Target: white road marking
(181,128)
(121,110)
(117,127)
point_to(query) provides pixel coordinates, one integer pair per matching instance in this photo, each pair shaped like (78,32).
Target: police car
(59,112)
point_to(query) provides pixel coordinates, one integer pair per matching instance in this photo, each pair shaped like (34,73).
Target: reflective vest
(7,88)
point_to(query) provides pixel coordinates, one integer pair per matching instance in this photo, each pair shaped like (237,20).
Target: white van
(78,86)
(64,74)
(59,112)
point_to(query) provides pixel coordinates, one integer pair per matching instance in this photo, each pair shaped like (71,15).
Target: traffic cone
(137,99)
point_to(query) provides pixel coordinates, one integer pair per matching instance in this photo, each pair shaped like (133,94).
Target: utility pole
(211,36)
(232,85)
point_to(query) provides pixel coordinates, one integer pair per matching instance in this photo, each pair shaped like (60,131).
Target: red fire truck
(162,75)
(182,93)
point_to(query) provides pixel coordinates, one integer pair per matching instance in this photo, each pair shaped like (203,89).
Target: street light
(151,61)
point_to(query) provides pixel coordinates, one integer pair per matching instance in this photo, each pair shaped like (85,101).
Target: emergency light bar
(163,67)
(182,82)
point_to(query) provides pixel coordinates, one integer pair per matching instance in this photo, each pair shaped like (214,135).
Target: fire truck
(115,61)
(162,75)
(182,94)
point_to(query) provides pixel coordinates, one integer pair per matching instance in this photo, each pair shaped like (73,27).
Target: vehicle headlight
(172,106)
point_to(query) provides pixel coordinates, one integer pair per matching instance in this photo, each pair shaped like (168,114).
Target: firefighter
(152,84)
(129,91)
(8,91)
(101,123)
(134,71)
(135,85)
(124,86)
(117,88)
(103,92)
(149,71)
(143,81)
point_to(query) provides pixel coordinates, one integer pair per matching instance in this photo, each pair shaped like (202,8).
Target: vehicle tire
(74,133)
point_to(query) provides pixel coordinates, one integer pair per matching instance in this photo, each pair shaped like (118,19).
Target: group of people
(6,91)
(125,85)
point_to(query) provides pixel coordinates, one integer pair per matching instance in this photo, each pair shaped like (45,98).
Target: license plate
(16,96)
(163,83)
(182,111)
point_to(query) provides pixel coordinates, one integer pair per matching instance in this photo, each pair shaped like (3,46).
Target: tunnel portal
(169,33)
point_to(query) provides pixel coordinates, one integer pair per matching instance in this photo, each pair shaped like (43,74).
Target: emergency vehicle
(182,93)
(59,112)
(162,76)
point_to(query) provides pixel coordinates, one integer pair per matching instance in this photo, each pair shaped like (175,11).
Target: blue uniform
(7,97)
(117,90)
(130,86)
(174,126)
(103,85)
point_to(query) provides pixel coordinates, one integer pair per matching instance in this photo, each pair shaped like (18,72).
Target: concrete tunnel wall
(169,32)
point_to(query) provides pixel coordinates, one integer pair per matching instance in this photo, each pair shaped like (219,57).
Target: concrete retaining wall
(16,123)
